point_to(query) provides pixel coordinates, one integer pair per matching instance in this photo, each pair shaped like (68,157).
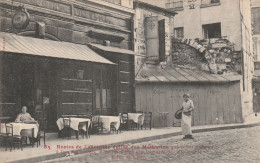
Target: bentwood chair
(96,123)
(81,130)
(12,139)
(140,119)
(66,123)
(148,120)
(40,135)
(2,134)
(124,121)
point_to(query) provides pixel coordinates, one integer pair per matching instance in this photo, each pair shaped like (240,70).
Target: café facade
(66,57)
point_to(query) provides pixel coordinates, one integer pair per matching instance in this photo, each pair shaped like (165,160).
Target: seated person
(24,116)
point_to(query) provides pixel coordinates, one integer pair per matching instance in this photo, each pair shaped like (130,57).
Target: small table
(18,127)
(74,124)
(4,119)
(107,121)
(136,117)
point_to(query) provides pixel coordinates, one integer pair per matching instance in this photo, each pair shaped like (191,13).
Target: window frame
(170,3)
(176,31)
(205,34)
(203,4)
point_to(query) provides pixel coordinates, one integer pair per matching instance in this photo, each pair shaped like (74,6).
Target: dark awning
(39,47)
(112,49)
(177,75)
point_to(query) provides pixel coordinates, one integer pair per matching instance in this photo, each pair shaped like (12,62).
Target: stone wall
(214,55)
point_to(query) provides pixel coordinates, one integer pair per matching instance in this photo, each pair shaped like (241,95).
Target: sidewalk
(35,154)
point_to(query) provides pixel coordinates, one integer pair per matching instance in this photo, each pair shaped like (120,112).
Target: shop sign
(21,19)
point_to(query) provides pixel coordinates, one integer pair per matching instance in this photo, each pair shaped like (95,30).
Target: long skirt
(186,124)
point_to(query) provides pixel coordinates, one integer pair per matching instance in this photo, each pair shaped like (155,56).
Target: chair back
(95,118)
(148,116)
(9,129)
(66,121)
(124,117)
(81,124)
(27,132)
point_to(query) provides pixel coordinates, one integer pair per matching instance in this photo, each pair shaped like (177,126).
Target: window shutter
(162,40)
(152,38)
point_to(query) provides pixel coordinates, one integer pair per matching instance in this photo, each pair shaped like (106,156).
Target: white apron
(186,124)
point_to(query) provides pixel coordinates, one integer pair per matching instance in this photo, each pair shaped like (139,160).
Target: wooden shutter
(152,38)
(161,40)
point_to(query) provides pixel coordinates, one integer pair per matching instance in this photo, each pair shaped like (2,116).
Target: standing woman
(188,107)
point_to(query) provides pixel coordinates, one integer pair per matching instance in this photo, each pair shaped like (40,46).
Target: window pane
(97,98)
(179,32)
(104,98)
(109,98)
(212,30)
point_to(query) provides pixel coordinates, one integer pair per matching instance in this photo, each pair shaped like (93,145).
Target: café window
(174,4)
(212,30)
(209,2)
(178,32)
(103,98)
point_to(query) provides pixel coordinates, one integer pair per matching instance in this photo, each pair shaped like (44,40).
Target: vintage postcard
(129,81)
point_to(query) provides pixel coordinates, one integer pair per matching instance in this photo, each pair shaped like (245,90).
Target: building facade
(66,57)
(211,47)
(255,10)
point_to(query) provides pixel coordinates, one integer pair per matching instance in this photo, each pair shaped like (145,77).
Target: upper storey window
(174,4)
(208,3)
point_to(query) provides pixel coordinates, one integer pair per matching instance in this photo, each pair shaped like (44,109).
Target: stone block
(195,44)
(211,51)
(202,49)
(191,42)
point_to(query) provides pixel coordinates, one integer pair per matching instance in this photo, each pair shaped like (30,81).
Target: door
(103,92)
(257,97)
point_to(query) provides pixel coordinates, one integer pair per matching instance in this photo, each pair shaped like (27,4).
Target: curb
(77,152)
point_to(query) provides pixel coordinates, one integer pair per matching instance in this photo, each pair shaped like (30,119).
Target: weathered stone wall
(214,55)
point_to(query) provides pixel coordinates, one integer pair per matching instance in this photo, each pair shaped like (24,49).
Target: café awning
(13,43)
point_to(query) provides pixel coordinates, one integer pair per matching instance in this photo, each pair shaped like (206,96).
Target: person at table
(24,116)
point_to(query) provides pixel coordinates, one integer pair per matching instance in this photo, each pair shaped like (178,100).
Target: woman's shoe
(190,137)
(185,137)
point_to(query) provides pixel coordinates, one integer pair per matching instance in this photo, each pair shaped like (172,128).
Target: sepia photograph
(175,81)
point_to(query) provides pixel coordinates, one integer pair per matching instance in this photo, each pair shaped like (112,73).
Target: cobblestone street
(237,145)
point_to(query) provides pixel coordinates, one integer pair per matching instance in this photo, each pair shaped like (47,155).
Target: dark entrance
(256,96)
(38,84)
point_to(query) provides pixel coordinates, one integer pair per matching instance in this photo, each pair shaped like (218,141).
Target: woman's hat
(186,94)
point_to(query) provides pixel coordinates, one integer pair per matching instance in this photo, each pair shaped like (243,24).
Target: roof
(177,75)
(112,49)
(148,5)
(48,48)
